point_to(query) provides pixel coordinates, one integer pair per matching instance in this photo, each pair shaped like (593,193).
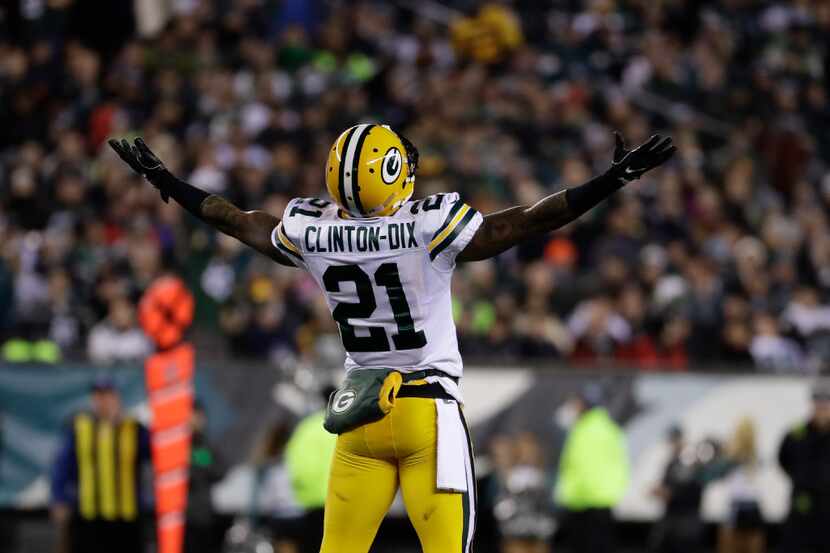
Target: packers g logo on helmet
(371,171)
(392,164)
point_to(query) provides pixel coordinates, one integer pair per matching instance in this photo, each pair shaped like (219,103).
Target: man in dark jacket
(206,469)
(805,457)
(681,490)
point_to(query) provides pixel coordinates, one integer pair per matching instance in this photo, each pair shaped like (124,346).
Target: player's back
(386,279)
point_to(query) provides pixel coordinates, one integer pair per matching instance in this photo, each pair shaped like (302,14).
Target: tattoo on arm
(504,229)
(250,227)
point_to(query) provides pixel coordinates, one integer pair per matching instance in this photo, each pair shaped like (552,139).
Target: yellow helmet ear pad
(370,171)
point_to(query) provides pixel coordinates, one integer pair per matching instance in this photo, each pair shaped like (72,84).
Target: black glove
(143,161)
(147,164)
(629,165)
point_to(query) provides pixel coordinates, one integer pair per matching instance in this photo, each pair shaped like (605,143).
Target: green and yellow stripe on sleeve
(457,220)
(284,244)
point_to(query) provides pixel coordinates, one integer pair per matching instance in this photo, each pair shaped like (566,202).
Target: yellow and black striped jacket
(98,469)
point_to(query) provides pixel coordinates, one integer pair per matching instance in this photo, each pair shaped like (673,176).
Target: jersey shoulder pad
(301,212)
(298,214)
(446,224)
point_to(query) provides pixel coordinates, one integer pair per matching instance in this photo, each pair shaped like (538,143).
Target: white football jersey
(386,279)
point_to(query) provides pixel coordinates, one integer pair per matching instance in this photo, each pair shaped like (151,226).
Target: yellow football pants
(370,463)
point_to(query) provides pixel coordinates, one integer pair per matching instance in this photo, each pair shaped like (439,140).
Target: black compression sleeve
(187,195)
(584,197)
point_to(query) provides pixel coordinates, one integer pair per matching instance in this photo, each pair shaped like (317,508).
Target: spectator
(272,494)
(522,504)
(598,330)
(772,351)
(206,469)
(681,491)
(736,334)
(308,455)
(804,455)
(811,322)
(744,529)
(593,473)
(96,480)
(506,103)
(640,350)
(118,339)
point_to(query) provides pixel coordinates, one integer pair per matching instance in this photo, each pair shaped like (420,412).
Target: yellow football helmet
(371,170)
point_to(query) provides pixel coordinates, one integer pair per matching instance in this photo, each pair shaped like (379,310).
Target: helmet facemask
(412,157)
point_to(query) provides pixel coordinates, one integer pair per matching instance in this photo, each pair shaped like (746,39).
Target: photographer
(522,505)
(681,489)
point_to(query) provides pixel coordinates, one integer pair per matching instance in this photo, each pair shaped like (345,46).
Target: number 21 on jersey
(388,277)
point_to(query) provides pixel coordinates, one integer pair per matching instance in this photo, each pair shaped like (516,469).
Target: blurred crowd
(722,257)
(592,475)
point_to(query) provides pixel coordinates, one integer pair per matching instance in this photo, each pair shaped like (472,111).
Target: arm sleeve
(447,226)
(187,195)
(64,470)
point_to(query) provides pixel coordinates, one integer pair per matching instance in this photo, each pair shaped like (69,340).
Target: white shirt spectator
(109,345)
(807,318)
(117,339)
(776,353)
(596,316)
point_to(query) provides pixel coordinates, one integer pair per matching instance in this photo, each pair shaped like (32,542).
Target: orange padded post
(165,313)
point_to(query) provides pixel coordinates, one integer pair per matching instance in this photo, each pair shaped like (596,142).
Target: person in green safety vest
(20,350)
(593,472)
(308,455)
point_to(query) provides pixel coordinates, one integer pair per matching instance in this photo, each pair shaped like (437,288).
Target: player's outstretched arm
(250,227)
(504,229)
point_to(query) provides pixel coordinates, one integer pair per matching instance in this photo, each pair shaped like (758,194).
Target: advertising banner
(243,402)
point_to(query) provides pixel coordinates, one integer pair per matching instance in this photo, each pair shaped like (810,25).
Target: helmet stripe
(348,165)
(341,184)
(355,170)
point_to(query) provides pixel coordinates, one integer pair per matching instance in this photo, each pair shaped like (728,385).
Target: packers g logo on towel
(392,163)
(343,400)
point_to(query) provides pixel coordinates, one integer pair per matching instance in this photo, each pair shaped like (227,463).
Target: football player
(384,263)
